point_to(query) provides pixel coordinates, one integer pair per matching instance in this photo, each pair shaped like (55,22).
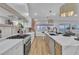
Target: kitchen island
(62,45)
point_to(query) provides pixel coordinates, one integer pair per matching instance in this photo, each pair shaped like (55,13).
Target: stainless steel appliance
(27,47)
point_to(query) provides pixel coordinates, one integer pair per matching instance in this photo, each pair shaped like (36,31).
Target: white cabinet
(8,30)
(15,50)
(13,30)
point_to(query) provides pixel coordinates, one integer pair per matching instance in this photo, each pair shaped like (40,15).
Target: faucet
(0,33)
(55,29)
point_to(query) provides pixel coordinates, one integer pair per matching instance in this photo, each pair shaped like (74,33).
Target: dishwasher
(27,47)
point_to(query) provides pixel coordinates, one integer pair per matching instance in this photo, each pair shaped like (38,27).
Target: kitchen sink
(69,34)
(18,36)
(53,34)
(76,38)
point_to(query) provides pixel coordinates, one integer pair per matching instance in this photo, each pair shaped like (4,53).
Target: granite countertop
(4,38)
(64,41)
(7,44)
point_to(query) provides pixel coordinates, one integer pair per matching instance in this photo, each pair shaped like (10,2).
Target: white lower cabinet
(15,50)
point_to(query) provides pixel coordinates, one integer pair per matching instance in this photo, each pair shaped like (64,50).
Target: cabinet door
(6,31)
(51,45)
(27,48)
(13,30)
(16,50)
(50,42)
(58,49)
(47,39)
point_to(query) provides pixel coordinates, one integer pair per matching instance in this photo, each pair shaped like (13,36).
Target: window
(63,14)
(69,13)
(64,27)
(43,27)
(75,26)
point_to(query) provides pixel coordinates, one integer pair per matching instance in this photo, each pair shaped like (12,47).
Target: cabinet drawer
(16,50)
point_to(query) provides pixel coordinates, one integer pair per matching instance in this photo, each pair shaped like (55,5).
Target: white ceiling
(41,10)
(19,7)
(4,12)
(36,10)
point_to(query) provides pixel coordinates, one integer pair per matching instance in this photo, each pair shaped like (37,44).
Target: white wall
(7,31)
(2,21)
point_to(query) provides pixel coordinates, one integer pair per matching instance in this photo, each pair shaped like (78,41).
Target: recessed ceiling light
(75,15)
(26,14)
(35,14)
